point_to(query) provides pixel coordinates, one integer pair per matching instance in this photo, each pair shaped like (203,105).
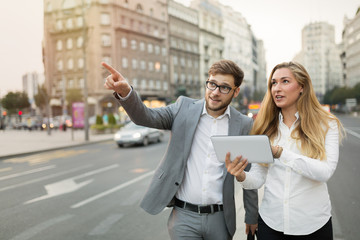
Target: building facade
(321,57)
(184,59)
(351,50)
(211,40)
(130,35)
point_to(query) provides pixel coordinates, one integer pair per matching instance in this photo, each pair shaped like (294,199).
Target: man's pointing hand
(116,82)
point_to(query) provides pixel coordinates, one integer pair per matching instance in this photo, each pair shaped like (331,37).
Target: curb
(4,157)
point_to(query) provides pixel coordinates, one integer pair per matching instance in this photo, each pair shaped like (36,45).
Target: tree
(42,98)
(73,95)
(15,101)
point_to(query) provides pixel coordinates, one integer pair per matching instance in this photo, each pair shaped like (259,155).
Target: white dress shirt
(204,174)
(296,199)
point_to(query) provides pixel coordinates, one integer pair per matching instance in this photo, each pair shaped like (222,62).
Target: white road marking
(27,172)
(68,185)
(112,190)
(32,232)
(105,225)
(355,134)
(44,178)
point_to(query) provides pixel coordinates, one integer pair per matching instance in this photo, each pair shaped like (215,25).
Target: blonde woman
(305,144)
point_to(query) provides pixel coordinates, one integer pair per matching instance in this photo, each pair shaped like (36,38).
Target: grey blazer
(182,118)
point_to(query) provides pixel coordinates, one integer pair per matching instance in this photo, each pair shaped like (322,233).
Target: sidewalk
(18,142)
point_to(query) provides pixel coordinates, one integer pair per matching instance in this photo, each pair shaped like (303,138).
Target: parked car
(132,134)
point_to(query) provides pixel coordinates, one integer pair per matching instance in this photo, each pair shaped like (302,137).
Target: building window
(124,42)
(151,84)
(142,65)
(59,25)
(81,83)
(182,78)
(157,66)
(124,62)
(151,12)
(134,64)
(163,51)
(139,8)
(80,63)
(150,48)
(142,46)
(175,60)
(182,62)
(158,85)
(69,23)
(104,1)
(143,84)
(123,20)
(164,68)
(59,45)
(107,60)
(60,65)
(79,21)
(165,86)
(133,44)
(176,77)
(189,63)
(135,83)
(105,19)
(71,83)
(69,43)
(157,50)
(79,42)
(106,40)
(70,64)
(151,66)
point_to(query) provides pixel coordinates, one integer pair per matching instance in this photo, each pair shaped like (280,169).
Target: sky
(277,22)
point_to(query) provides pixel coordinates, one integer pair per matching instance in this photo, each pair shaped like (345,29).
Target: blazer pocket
(159,173)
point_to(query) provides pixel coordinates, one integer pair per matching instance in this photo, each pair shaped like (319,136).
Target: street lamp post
(86,105)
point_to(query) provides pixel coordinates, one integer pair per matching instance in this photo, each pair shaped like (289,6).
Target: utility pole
(86,104)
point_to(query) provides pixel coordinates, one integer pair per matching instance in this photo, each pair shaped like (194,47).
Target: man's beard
(222,106)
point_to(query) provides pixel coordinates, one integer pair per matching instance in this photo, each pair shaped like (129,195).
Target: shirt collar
(227,112)
(281,117)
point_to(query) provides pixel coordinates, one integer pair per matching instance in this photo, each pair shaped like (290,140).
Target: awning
(92,100)
(55,102)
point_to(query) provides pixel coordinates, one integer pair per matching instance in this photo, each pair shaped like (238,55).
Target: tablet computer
(256,148)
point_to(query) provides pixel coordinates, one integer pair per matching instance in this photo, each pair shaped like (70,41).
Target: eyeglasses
(222,88)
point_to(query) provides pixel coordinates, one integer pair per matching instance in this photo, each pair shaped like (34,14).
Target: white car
(135,134)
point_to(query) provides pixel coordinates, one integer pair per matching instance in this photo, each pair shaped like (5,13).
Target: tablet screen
(256,148)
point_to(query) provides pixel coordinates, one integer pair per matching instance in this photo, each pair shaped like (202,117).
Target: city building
(130,35)
(211,40)
(351,50)
(184,50)
(321,57)
(30,83)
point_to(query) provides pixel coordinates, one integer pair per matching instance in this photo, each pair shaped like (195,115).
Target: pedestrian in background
(190,178)
(305,144)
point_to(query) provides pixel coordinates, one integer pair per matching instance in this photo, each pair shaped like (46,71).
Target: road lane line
(355,134)
(32,232)
(44,178)
(112,190)
(69,185)
(27,172)
(105,225)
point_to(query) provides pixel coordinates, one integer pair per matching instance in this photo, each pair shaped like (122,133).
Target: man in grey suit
(190,178)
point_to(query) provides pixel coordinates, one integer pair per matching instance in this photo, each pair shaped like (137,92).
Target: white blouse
(296,199)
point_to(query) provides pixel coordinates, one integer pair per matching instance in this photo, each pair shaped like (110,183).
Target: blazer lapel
(192,119)
(234,123)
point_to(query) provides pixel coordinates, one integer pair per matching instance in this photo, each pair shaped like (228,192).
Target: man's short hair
(228,67)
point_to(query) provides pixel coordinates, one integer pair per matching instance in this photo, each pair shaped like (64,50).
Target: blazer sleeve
(250,199)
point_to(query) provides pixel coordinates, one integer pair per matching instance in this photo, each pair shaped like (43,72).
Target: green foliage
(42,98)
(112,120)
(181,91)
(99,120)
(15,101)
(74,95)
(338,95)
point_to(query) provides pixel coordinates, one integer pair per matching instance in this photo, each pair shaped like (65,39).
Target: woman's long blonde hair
(313,119)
